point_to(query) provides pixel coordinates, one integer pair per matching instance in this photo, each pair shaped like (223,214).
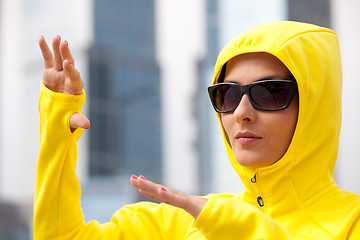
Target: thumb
(79,120)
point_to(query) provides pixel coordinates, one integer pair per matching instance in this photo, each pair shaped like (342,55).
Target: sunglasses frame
(245,89)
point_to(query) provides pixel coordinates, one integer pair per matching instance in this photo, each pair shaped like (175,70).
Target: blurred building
(124,104)
(124,96)
(344,20)
(21,24)
(146,66)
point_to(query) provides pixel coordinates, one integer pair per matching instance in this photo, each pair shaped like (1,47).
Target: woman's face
(258,138)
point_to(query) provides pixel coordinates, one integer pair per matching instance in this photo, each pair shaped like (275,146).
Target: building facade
(146,66)
(124,96)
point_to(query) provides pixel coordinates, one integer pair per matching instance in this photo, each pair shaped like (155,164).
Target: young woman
(277,92)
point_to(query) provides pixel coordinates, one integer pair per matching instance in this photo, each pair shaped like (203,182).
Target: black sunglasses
(266,95)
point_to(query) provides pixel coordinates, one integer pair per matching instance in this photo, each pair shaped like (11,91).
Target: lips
(245,138)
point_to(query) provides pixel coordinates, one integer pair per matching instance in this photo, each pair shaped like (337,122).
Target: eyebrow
(221,77)
(272,77)
(269,77)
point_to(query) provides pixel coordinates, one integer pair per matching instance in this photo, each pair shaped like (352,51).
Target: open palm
(60,75)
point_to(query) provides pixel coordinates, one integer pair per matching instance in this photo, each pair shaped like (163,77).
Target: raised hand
(60,75)
(192,204)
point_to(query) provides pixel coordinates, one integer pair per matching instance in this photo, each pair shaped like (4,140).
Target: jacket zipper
(259,199)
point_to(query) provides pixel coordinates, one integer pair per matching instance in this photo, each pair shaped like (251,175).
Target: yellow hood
(298,195)
(312,55)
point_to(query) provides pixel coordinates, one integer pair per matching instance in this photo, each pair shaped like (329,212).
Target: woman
(277,92)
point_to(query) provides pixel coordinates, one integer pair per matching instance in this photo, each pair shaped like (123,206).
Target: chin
(250,164)
(246,160)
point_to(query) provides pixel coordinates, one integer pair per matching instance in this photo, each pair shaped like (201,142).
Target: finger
(160,193)
(150,187)
(65,52)
(150,195)
(46,53)
(79,120)
(75,85)
(174,198)
(170,196)
(142,183)
(192,204)
(165,195)
(57,56)
(147,188)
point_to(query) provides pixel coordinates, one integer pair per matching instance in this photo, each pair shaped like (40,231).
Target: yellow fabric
(301,199)
(299,190)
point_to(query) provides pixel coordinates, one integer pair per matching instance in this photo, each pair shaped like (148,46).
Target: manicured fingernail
(88,127)
(142,177)
(134,177)
(69,61)
(58,36)
(67,44)
(163,189)
(42,37)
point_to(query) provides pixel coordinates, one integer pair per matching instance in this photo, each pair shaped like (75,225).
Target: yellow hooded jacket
(295,198)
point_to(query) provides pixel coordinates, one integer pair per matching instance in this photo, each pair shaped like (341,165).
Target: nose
(245,112)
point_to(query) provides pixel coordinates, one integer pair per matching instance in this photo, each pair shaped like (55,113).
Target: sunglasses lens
(226,97)
(271,95)
(268,95)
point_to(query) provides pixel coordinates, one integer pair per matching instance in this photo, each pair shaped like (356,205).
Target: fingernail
(67,44)
(163,189)
(42,37)
(142,177)
(134,177)
(69,61)
(58,36)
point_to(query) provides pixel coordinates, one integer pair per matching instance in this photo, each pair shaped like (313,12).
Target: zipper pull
(260,201)
(253,179)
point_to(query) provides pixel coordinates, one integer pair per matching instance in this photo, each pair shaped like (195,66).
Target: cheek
(227,122)
(282,128)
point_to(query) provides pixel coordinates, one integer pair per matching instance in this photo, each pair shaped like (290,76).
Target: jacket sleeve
(57,191)
(228,218)
(57,210)
(354,233)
